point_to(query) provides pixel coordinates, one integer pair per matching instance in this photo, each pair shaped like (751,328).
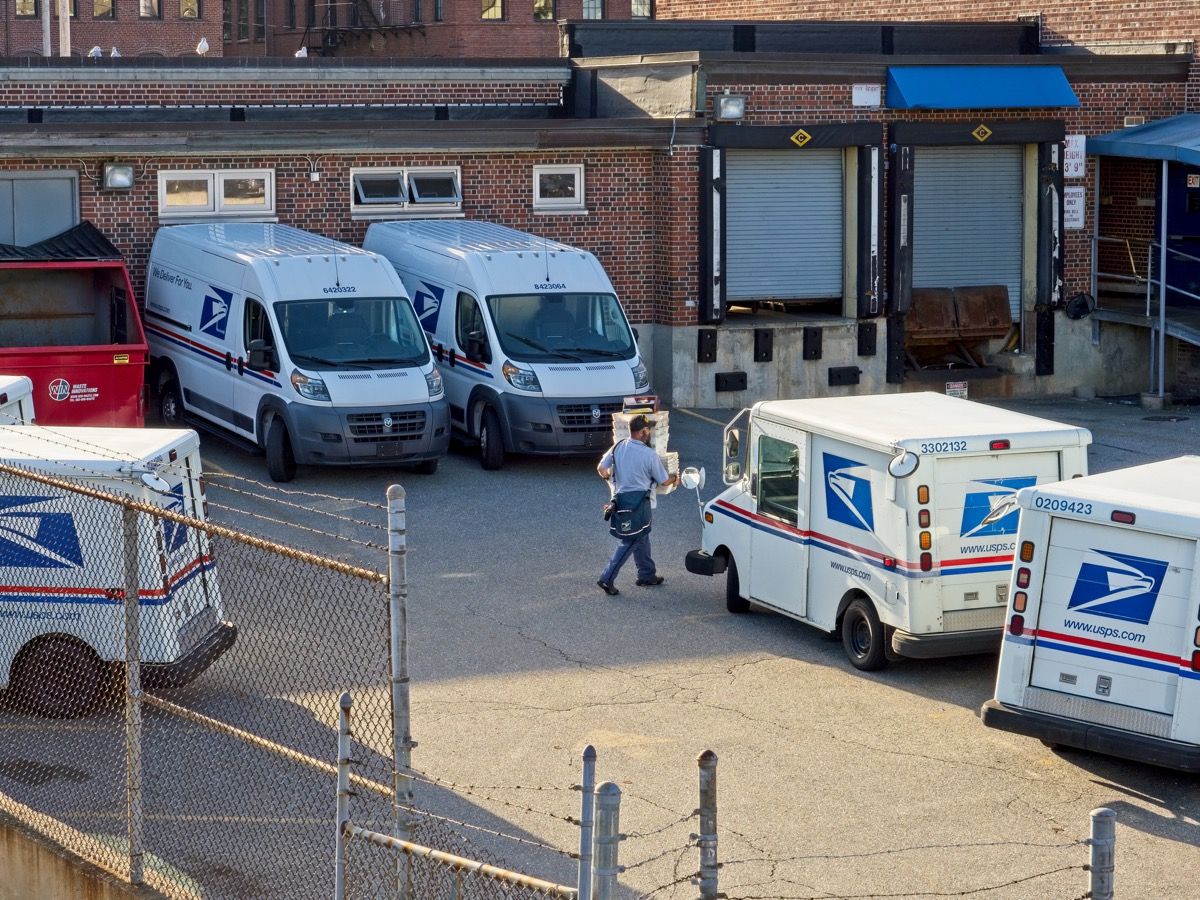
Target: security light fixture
(118,176)
(731,107)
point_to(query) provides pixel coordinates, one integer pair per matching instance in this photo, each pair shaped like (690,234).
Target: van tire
(491,440)
(734,601)
(170,403)
(281,462)
(59,677)
(862,636)
(426,467)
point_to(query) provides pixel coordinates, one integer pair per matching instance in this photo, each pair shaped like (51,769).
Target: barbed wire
(292,492)
(570,820)
(667,827)
(308,528)
(888,851)
(301,506)
(875,894)
(489,831)
(445,782)
(629,867)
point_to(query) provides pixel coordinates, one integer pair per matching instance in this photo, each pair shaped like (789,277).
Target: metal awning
(1176,139)
(978,87)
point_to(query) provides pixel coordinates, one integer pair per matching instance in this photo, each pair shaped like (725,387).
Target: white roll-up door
(967,218)
(784,224)
(37,205)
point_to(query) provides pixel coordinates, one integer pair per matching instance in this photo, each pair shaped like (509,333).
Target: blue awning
(978,87)
(1176,139)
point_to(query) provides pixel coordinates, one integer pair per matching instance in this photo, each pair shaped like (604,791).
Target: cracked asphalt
(832,782)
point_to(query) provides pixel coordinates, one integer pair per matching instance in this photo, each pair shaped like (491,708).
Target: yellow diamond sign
(800,138)
(982,133)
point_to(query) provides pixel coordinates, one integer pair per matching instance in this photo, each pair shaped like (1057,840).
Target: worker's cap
(637,423)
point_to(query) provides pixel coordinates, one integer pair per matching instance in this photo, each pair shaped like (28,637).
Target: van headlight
(433,381)
(308,387)
(641,379)
(521,379)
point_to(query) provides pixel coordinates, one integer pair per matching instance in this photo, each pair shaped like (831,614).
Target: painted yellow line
(696,415)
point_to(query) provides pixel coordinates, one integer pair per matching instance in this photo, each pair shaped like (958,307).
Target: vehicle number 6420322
(1054,504)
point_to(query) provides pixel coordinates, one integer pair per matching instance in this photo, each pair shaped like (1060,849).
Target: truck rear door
(1114,615)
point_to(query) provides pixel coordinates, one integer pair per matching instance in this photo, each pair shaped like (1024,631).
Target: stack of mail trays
(648,406)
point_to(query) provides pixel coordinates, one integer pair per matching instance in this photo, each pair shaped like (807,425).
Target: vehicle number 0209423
(1054,504)
(944,447)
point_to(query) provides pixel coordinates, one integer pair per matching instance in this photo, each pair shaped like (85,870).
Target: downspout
(1162,286)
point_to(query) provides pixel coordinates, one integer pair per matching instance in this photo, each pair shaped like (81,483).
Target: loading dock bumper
(1089,736)
(700,563)
(946,643)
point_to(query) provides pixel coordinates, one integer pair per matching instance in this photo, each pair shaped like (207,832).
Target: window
(226,20)
(778,479)
(493,9)
(558,188)
(149,9)
(470,328)
(289,14)
(189,9)
(310,18)
(438,12)
(103,9)
(543,10)
(376,193)
(243,20)
(593,9)
(260,19)
(204,194)
(257,326)
(642,9)
(70,8)
(416,15)
(27,9)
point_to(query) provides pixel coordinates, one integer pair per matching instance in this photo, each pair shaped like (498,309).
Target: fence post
(1103,843)
(586,808)
(133,693)
(398,608)
(707,839)
(608,839)
(343,796)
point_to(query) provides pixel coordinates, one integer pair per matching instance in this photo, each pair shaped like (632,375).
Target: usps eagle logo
(848,492)
(428,303)
(31,537)
(214,316)
(979,505)
(1118,586)
(174,534)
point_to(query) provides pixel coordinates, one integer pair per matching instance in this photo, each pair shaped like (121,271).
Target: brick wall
(132,35)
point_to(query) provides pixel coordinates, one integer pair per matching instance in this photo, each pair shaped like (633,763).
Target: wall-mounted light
(118,176)
(730,107)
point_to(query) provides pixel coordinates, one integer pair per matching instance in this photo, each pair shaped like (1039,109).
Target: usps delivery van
(62,631)
(1102,648)
(532,343)
(16,400)
(303,345)
(880,518)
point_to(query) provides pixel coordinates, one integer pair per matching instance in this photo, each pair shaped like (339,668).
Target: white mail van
(307,347)
(16,400)
(534,348)
(880,517)
(62,621)
(1102,648)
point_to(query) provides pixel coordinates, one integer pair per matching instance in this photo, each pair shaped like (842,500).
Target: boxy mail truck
(62,577)
(534,347)
(16,400)
(880,518)
(304,346)
(1102,648)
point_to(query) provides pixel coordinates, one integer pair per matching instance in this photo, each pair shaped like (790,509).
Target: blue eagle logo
(214,316)
(848,495)
(32,538)
(1118,586)
(428,303)
(978,506)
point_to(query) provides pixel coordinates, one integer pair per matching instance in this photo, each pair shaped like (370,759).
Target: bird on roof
(95,52)
(301,53)
(115,53)
(202,47)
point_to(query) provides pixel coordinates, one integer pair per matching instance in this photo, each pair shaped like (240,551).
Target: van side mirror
(477,346)
(636,336)
(733,445)
(260,356)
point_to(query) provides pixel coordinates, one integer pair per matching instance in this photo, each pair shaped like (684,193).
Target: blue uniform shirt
(638,468)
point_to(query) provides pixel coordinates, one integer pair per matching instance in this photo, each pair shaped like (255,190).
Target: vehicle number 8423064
(1055,504)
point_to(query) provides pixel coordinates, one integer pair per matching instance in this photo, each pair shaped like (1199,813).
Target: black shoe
(652,581)
(608,587)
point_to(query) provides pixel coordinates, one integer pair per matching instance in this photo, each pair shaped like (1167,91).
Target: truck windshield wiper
(379,360)
(530,342)
(298,357)
(613,354)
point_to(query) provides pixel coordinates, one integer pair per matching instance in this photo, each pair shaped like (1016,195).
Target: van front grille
(370,428)
(577,417)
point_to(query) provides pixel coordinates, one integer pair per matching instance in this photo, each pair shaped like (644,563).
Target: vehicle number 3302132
(944,447)
(1056,504)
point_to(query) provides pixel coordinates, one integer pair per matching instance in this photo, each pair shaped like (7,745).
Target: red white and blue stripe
(1137,657)
(106,595)
(204,351)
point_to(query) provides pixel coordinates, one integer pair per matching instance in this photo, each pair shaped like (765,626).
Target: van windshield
(364,332)
(578,327)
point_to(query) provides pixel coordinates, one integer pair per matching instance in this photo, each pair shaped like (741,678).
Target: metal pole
(133,693)
(343,796)
(64,27)
(587,808)
(402,742)
(1095,282)
(1103,843)
(608,840)
(1162,286)
(47,45)
(707,839)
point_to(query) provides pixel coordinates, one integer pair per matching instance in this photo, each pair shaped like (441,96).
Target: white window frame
(576,204)
(408,201)
(216,207)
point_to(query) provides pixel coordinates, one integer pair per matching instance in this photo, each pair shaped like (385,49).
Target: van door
(469,358)
(250,384)
(1115,615)
(779,540)
(206,366)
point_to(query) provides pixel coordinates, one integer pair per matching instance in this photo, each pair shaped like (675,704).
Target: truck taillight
(1125,518)
(922,493)
(926,562)
(1026,551)
(926,540)
(1016,625)
(1020,598)
(173,455)
(1022,577)
(999,445)
(889,562)
(923,518)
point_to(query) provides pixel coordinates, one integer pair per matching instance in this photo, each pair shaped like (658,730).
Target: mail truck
(62,575)
(880,518)
(16,400)
(306,347)
(533,345)
(1102,647)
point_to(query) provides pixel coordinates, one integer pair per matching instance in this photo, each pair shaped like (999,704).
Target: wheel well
(848,598)
(267,414)
(164,370)
(30,645)
(479,400)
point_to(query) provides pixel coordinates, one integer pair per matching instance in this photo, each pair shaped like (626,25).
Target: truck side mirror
(903,464)
(733,445)
(477,346)
(733,471)
(260,356)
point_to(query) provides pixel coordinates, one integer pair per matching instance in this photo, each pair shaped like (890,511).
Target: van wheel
(281,463)
(734,601)
(862,636)
(426,467)
(59,677)
(170,403)
(491,440)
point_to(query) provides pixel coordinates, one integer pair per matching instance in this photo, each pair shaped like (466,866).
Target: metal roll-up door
(783,224)
(967,218)
(36,206)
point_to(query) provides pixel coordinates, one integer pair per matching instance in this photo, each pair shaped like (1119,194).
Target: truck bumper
(946,643)
(559,427)
(206,651)
(1088,736)
(383,435)
(700,563)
